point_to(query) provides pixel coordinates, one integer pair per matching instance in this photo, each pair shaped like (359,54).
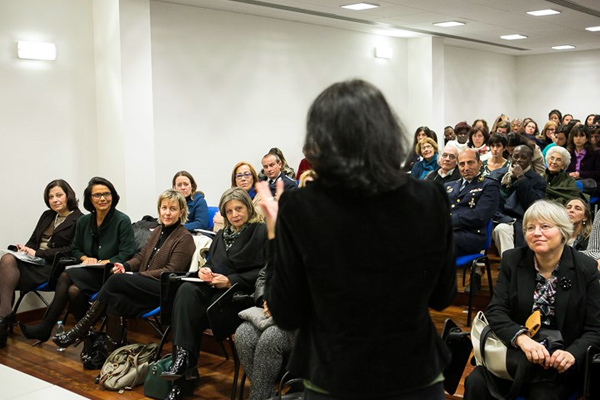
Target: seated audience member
(547,135)
(537,163)
(560,139)
(243,176)
(567,118)
(560,186)
(304,165)
(473,202)
(427,148)
(581,217)
(448,134)
(555,116)
(516,125)
(447,170)
(236,255)
(272,166)
(461,130)
(169,249)
(549,276)
(421,133)
(585,159)
(497,144)
(306,178)
(500,119)
(481,124)
(103,236)
(531,132)
(53,234)
(262,350)
(520,187)
(478,139)
(185,184)
(502,128)
(589,120)
(595,136)
(355,143)
(285,168)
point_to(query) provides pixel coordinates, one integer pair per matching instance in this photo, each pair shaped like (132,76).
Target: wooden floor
(65,370)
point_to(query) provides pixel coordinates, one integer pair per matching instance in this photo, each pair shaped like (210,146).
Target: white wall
(568,81)
(479,84)
(228,87)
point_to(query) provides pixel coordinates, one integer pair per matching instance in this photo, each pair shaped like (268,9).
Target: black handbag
(155,386)
(95,351)
(460,346)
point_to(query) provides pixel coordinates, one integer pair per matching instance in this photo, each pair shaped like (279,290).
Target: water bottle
(60,329)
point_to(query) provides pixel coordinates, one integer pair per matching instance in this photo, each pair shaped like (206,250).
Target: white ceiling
(486,20)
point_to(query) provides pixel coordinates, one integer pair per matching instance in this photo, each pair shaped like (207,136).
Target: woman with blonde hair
(427,148)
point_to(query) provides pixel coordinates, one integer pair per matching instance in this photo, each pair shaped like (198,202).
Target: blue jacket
(197,213)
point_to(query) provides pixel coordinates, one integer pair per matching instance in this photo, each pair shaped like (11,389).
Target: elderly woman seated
(560,186)
(549,276)
(427,148)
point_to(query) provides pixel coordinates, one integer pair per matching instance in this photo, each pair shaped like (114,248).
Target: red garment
(304,166)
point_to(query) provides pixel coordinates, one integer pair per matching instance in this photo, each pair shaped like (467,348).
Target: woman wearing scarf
(427,148)
(103,236)
(236,255)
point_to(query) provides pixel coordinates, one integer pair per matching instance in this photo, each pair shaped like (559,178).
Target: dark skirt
(32,275)
(130,295)
(88,280)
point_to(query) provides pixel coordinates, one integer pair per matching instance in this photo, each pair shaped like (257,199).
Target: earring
(583,223)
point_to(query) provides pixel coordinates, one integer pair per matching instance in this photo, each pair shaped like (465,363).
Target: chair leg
(470,307)
(489,275)
(242,386)
(236,372)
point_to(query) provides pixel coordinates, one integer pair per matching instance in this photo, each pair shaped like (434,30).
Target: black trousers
(189,318)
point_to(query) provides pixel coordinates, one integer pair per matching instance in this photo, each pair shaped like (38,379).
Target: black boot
(180,390)
(183,364)
(82,328)
(116,332)
(5,323)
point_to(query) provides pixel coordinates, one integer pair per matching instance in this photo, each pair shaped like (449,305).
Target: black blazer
(356,274)
(62,238)
(577,308)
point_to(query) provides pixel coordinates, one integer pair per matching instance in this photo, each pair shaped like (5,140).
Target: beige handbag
(127,367)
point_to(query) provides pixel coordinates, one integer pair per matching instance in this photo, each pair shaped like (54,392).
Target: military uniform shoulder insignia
(481,178)
(449,189)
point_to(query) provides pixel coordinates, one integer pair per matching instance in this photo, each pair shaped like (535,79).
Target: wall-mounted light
(384,52)
(36,50)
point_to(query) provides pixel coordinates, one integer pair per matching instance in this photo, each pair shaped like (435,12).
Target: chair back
(488,238)
(212,210)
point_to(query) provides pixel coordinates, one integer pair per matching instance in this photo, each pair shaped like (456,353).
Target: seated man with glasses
(473,202)
(447,162)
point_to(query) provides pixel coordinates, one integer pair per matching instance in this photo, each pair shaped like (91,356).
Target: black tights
(9,279)
(66,292)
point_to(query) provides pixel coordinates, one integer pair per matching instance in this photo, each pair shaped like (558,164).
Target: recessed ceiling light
(449,24)
(360,6)
(563,47)
(513,37)
(593,28)
(543,13)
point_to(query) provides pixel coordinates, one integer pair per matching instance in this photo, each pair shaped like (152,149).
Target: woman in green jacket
(103,236)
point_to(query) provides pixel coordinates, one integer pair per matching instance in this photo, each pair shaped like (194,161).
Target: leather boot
(81,330)
(180,390)
(184,364)
(4,323)
(116,332)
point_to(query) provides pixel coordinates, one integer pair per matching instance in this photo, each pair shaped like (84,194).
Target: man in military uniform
(473,201)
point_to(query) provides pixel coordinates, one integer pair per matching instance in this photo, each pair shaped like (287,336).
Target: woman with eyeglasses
(185,184)
(243,176)
(103,236)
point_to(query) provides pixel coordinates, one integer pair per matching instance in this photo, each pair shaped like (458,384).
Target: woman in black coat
(236,255)
(361,300)
(585,159)
(562,284)
(53,234)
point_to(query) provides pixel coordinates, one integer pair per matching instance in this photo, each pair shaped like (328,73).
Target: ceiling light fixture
(563,47)
(36,50)
(449,24)
(513,37)
(543,13)
(360,6)
(593,28)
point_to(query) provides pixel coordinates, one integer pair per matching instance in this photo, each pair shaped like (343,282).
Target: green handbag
(154,386)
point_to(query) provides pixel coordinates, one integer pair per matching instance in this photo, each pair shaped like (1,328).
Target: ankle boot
(116,332)
(4,323)
(82,328)
(180,390)
(183,364)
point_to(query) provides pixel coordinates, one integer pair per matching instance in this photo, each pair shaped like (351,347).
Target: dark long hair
(580,129)
(354,140)
(69,192)
(87,193)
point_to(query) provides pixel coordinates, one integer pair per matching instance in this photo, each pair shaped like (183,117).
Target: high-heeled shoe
(183,366)
(4,327)
(39,334)
(82,329)
(11,320)
(180,391)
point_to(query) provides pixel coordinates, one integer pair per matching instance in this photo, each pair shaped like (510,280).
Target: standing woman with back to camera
(362,311)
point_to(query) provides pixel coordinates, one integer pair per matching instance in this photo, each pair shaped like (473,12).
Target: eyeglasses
(543,228)
(430,147)
(98,196)
(449,156)
(245,175)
